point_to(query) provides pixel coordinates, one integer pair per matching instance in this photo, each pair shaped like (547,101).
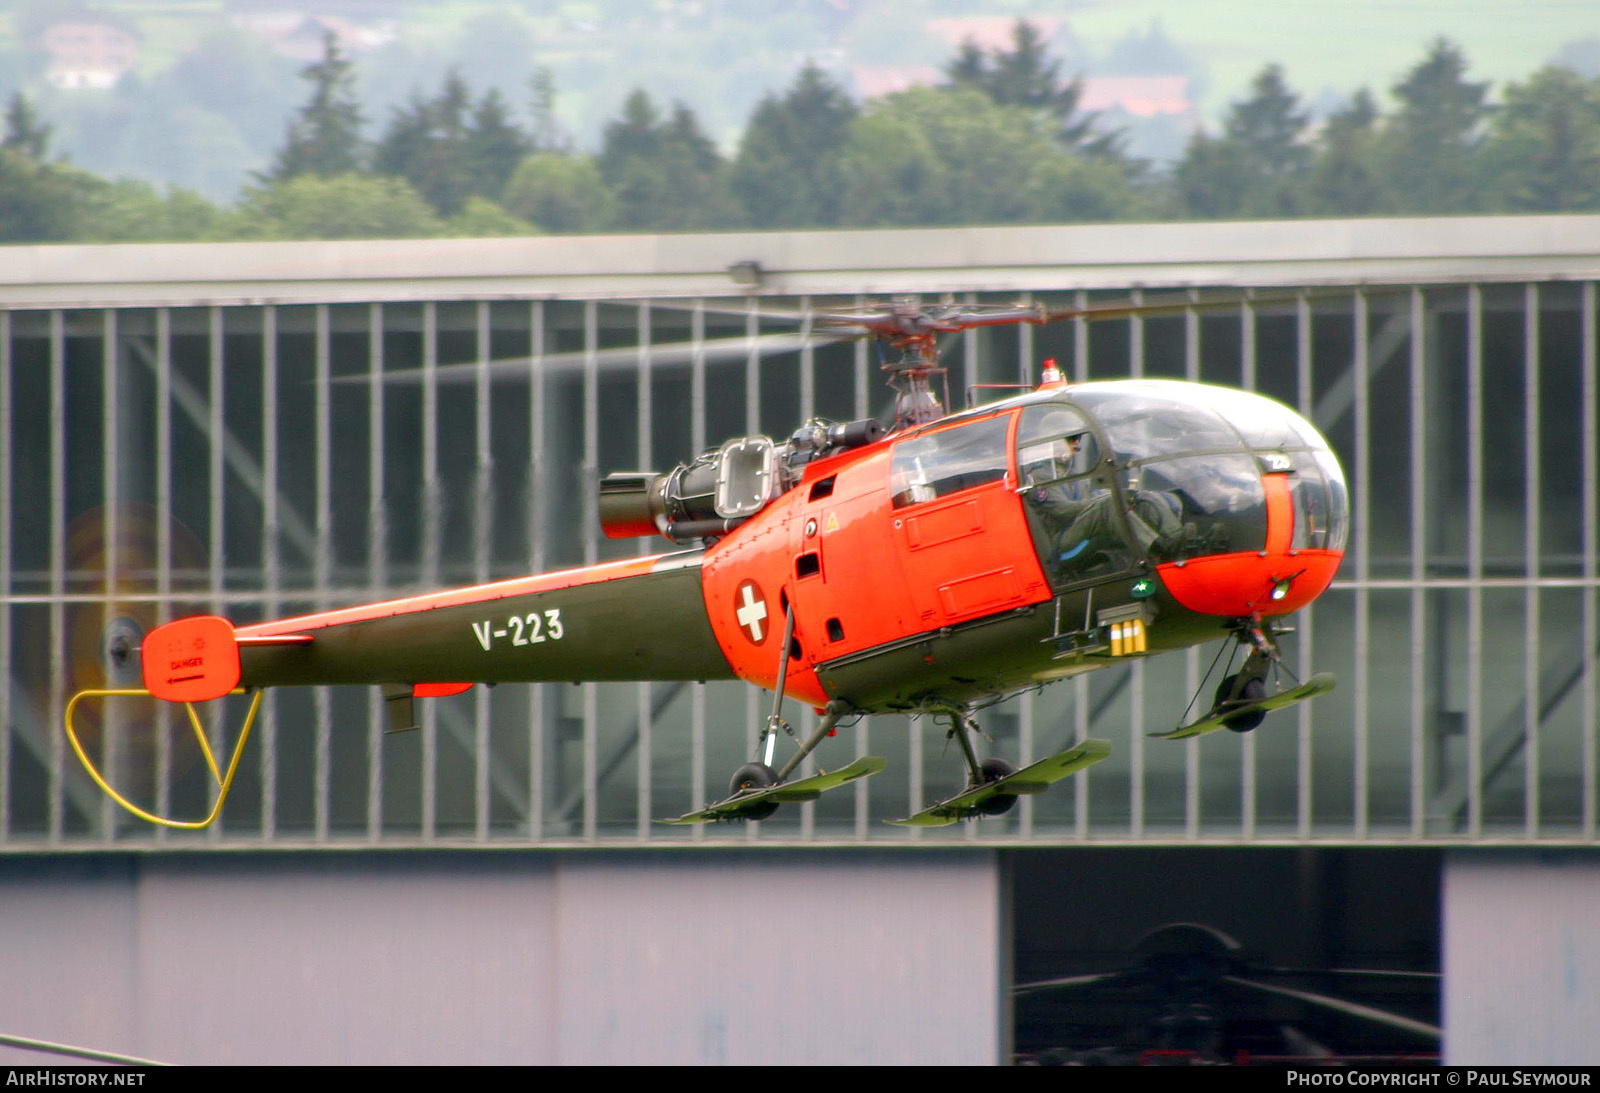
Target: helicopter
(928,566)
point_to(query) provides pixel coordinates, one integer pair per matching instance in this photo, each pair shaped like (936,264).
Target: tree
(1344,178)
(787,173)
(1542,153)
(493,146)
(1429,149)
(325,138)
(481,218)
(666,175)
(1025,76)
(345,207)
(1255,166)
(425,144)
(449,149)
(943,156)
(25,133)
(546,133)
(39,202)
(559,193)
(130,211)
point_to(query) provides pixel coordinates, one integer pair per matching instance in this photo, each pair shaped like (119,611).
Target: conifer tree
(324,139)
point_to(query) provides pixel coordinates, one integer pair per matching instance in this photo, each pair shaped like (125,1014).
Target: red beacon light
(1052,376)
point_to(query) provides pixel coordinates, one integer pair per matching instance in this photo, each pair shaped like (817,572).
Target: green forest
(1000,140)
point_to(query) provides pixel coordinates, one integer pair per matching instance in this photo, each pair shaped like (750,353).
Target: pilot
(1078,517)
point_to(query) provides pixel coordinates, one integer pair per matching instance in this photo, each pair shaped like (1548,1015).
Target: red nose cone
(1237,585)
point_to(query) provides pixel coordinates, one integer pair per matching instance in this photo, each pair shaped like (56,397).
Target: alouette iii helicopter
(946,561)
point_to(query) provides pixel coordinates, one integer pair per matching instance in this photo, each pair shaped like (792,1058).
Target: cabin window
(934,465)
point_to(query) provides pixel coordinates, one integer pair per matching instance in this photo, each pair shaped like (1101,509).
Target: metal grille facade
(260,459)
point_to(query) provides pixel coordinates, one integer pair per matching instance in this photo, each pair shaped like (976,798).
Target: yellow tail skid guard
(224,780)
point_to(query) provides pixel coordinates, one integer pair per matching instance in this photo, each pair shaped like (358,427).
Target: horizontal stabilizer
(191,660)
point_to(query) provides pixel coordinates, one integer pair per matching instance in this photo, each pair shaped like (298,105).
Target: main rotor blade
(1340,1005)
(1066,982)
(611,359)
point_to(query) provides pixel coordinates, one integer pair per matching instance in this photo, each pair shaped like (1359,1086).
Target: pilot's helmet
(1058,450)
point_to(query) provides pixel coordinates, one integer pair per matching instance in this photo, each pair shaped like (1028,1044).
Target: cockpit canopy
(1111,472)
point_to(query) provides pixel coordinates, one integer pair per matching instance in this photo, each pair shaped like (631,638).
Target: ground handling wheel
(754,776)
(1253,691)
(992,770)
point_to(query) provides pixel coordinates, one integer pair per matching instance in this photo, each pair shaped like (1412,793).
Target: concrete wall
(737,958)
(1521,958)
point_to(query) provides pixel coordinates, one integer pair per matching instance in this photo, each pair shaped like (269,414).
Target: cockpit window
(1142,422)
(1053,443)
(935,464)
(1198,505)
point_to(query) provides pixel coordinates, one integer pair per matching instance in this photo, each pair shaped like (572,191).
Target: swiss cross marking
(750,608)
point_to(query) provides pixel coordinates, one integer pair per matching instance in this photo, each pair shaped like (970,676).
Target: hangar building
(256,430)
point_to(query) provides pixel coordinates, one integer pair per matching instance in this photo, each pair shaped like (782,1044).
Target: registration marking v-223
(534,628)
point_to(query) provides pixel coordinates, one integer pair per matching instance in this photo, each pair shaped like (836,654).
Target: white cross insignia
(750,608)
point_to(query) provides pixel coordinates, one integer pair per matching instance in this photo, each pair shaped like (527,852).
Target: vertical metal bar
(1080,340)
(1474,560)
(808,403)
(1191,656)
(1080,733)
(808,364)
(536,558)
(646,443)
(1591,547)
(482,532)
(269,554)
(969,359)
(591,550)
(7,469)
(110,448)
(1530,555)
(697,434)
(1419,562)
(1025,754)
(1363,504)
(752,370)
(863,407)
(1136,336)
(1247,343)
(432,515)
(915,774)
(752,424)
(322,765)
(863,401)
(164,522)
(1191,341)
(58,576)
(215,474)
(271,558)
(1305,396)
(1025,351)
(377,557)
(1136,760)
(1247,753)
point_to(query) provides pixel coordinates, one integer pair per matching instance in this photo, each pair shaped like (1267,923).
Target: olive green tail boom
(640,620)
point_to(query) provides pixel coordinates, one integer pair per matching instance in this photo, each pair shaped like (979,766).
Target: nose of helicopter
(1283,576)
(1239,502)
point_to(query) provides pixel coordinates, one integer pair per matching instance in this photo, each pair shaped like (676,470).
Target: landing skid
(742,804)
(1034,778)
(1321,683)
